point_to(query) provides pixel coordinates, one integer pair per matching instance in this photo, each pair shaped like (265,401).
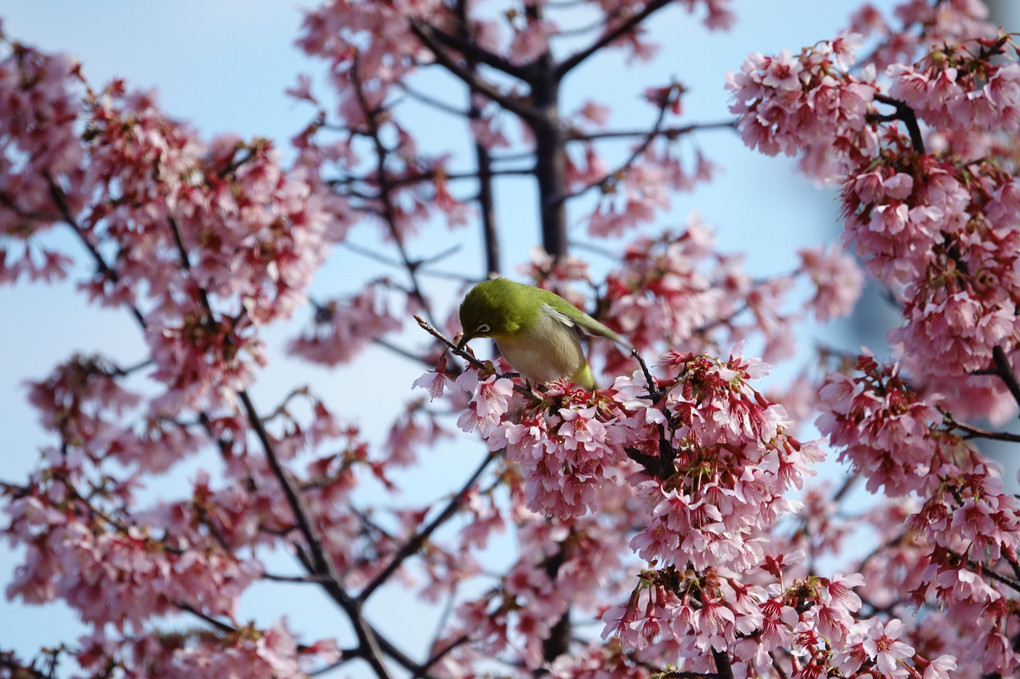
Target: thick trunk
(550,162)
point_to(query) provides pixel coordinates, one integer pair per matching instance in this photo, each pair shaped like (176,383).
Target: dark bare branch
(471,79)
(412,546)
(608,37)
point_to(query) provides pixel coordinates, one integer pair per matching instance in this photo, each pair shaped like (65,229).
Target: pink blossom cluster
(695,614)
(807,104)
(39,150)
(881,426)
(952,85)
(953,254)
(212,243)
(127,566)
(371,49)
(83,401)
(963,524)
(716,461)
(569,451)
(568,561)
(815,619)
(895,218)
(670,509)
(249,651)
(369,45)
(80,400)
(600,661)
(922,26)
(636,195)
(416,430)
(732,465)
(666,289)
(679,289)
(329,459)
(341,331)
(82,558)
(837,279)
(938,227)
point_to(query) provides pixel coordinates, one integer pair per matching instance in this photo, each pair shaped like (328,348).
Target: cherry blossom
(805,104)
(838,280)
(667,523)
(341,331)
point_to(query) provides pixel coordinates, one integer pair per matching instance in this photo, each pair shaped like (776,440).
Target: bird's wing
(581,323)
(564,319)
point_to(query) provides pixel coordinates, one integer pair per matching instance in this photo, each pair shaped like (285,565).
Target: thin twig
(654,393)
(16,669)
(346,655)
(414,544)
(321,564)
(444,618)
(203,296)
(315,579)
(606,38)
(976,567)
(8,202)
(976,432)
(509,102)
(427,327)
(638,151)
(385,189)
(208,619)
(850,481)
(439,655)
(65,212)
(670,133)
(433,102)
(468,48)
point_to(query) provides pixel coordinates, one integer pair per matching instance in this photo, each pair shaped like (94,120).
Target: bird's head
(490,309)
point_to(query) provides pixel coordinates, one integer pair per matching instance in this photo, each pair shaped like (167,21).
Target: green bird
(537,331)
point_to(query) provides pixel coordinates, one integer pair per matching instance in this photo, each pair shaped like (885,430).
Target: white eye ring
(484,327)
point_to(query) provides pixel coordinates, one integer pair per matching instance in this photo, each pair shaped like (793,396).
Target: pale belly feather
(547,351)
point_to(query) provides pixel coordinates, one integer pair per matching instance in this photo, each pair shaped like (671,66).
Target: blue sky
(223,66)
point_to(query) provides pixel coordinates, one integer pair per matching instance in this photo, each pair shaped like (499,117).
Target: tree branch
(906,115)
(650,136)
(424,32)
(431,101)
(207,619)
(439,655)
(368,643)
(1004,371)
(470,50)
(203,296)
(412,546)
(65,212)
(386,189)
(371,644)
(976,432)
(449,345)
(483,160)
(670,133)
(14,667)
(606,38)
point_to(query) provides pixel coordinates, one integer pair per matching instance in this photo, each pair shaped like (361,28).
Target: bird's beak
(464,339)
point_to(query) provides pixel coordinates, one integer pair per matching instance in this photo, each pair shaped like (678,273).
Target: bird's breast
(546,351)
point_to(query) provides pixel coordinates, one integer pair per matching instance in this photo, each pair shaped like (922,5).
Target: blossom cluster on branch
(668,524)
